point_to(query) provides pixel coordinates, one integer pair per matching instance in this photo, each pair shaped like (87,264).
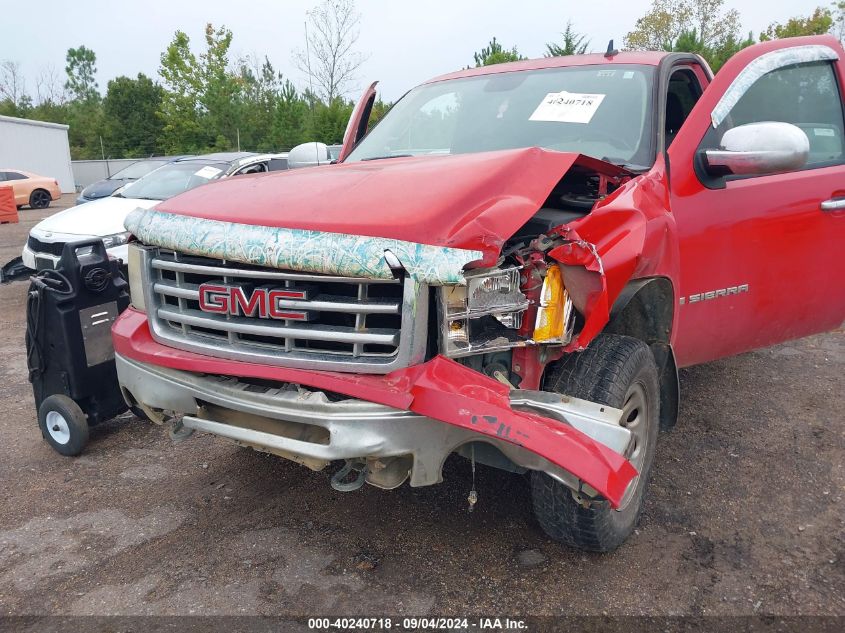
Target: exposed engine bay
(573,197)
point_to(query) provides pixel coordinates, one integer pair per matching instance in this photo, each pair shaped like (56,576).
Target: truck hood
(98,217)
(467,201)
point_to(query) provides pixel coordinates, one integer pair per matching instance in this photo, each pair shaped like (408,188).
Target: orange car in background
(32,189)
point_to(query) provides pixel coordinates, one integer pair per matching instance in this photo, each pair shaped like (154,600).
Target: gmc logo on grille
(266,303)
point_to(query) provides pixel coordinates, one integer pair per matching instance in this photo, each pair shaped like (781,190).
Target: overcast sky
(407,42)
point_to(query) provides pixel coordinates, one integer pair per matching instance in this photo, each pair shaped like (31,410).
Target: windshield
(173,179)
(137,170)
(602,111)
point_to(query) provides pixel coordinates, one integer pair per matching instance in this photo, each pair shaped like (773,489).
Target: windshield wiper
(386,157)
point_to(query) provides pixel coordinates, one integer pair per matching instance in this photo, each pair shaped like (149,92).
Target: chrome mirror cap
(759,148)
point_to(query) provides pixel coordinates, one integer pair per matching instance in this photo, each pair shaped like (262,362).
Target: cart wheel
(63,424)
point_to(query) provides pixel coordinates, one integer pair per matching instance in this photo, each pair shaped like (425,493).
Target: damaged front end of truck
(386,353)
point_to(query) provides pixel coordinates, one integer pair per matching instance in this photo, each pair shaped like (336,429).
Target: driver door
(761,256)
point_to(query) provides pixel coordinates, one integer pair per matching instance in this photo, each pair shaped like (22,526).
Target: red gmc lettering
(275,296)
(214,298)
(247,307)
(261,302)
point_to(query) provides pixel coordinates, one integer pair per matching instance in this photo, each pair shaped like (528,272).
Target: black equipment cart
(70,311)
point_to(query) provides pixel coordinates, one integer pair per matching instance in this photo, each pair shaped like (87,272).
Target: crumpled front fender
(441,389)
(628,235)
(594,277)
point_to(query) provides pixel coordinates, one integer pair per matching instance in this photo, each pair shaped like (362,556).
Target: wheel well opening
(645,310)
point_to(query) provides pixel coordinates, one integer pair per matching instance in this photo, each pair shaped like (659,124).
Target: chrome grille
(354,324)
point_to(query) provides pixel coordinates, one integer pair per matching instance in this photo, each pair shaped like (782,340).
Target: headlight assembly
(487,313)
(118,239)
(482,315)
(494,292)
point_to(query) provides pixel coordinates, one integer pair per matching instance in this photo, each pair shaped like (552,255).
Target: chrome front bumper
(313,429)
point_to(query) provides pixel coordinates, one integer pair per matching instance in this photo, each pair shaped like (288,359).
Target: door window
(255,168)
(682,94)
(13,175)
(804,94)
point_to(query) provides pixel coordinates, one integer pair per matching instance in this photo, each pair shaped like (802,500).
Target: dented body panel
(629,235)
(470,201)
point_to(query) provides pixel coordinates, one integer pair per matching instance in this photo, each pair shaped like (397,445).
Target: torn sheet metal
(620,240)
(589,291)
(440,389)
(766,63)
(299,249)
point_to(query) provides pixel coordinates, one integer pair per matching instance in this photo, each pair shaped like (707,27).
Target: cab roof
(644,58)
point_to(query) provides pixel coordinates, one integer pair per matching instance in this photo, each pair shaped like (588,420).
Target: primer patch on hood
(299,249)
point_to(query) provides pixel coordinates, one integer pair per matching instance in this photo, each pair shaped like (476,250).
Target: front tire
(39,199)
(63,424)
(618,371)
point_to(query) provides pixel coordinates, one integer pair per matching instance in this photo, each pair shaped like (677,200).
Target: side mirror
(759,148)
(309,155)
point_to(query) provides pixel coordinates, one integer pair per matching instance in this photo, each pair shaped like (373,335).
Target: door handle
(834,204)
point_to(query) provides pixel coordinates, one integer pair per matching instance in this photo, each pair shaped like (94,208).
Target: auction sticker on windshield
(567,107)
(208,172)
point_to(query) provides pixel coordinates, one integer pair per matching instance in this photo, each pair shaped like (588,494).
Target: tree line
(704,27)
(211,102)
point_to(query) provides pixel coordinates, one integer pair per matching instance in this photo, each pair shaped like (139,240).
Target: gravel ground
(746,513)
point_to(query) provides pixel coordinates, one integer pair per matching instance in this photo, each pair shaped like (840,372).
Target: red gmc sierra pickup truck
(511,266)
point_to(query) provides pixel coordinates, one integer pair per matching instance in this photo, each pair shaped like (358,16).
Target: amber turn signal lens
(554,310)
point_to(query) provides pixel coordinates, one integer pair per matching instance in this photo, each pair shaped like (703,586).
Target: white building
(38,147)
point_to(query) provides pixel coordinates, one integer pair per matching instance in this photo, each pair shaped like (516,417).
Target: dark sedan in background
(105,188)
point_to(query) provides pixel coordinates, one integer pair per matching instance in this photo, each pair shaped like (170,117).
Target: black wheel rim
(40,199)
